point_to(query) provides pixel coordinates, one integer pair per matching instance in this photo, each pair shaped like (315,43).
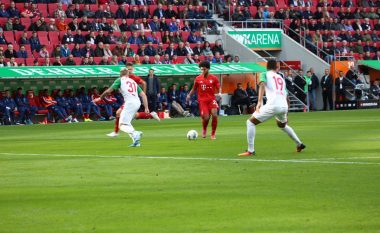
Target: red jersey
(206,87)
(136,78)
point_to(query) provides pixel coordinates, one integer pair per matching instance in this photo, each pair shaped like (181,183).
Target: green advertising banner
(113,71)
(259,39)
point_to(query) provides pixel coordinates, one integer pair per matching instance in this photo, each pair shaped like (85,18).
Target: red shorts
(206,106)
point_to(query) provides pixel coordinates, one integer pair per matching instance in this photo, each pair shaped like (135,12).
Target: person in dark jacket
(327,88)
(152,89)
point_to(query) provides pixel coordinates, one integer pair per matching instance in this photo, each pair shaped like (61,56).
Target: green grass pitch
(71,178)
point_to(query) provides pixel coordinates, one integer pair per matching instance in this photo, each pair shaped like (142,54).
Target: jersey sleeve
(137,79)
(263,77)
(116,84)
(195,84)
(139,90)
(217,83)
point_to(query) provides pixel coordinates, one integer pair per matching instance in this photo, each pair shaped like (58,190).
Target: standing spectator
(300,83)
(340,87)
(312,90)
(327,89)
(152,90)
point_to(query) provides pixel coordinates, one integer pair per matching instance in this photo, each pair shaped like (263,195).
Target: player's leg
(126,117)
(214,113)
(205,115)
(266,112)
(115,132)
(282,123)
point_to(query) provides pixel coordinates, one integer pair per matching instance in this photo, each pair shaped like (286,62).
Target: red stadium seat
(54,38)
(9,36)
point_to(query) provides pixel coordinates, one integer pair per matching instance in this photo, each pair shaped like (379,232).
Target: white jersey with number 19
(128,88)
(275,89)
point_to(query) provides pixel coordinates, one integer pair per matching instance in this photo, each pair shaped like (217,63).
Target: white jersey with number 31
(275,89)
(128,88)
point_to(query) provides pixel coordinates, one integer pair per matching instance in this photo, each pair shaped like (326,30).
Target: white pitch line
(252,159)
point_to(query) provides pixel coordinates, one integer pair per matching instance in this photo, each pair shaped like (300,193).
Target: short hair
(129,64)
(272,64)
(204,64)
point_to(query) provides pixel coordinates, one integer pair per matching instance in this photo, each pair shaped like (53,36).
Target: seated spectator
(91,38)
(10,52)
(70,61)
(12,62)
(102,104)
(22,53)
(206,51)
(198,50)
(13,11)
(107,51)
(145,60)
(175,60)
(156,59)
(141,50)
(118,50)
(173,101)
(74,25)
(154,38)
(377,56)
(48,102)
(189,59)
(114,26)
(2,62)
(104,61)
(150,50)
(24,107)
(166,59)
(43,52)
(57,61)
(375,89)
(52,25)
(56,52)
(70,12)
(8,107)
(180,50)
(129,51)
(77,11)
(166,38)
(88,105)
(134,38)
(9,25)
(121,12)
(59,12)
(163,25)
(176,37)
(369,48)
(160,49)
(75,107)
(1,51)
(162,99)
(62,25)
(85,61)
(99,50)
(47,62)
(171,51)
(26,13)
(217,58)
(114,60)
(24,39)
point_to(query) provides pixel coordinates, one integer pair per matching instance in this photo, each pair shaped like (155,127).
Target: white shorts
(128,113)
(268,111)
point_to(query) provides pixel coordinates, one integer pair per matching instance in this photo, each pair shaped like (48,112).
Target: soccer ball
(192,134)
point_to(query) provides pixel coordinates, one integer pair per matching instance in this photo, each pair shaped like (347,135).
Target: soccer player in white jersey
(276,106)
(131,92)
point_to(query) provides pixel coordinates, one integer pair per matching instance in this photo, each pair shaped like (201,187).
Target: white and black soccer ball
(192,135)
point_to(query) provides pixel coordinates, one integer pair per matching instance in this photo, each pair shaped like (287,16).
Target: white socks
(251,132)
(288,130)
(129,130)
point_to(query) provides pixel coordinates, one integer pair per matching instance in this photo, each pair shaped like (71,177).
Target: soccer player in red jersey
(139,115)
(206,84)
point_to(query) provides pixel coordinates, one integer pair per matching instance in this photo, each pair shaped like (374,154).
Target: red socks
(116,130)
(214,124)
(143,115)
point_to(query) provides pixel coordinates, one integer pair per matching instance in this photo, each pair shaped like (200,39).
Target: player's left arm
(144,99)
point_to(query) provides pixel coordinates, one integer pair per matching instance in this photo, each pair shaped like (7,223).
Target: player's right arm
(195,86)
(263,80)
(144,99)
(114,86)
